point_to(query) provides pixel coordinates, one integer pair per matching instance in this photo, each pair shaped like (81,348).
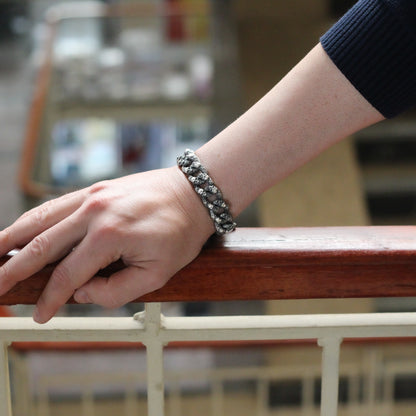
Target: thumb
(120,288)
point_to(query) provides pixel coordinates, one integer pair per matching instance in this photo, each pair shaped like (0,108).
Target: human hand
(153,221)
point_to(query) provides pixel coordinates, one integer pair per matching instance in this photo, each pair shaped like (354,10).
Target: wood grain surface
(281,263)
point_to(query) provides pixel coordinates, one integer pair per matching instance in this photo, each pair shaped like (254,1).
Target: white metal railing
(211,383)
(323,258)
(155,331)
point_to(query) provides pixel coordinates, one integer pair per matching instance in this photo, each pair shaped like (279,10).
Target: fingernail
(81,296)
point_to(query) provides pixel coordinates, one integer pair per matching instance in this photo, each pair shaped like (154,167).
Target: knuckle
(41,214)
(39,246)
(107,230)
(96,203)
(98,187)
(6,237)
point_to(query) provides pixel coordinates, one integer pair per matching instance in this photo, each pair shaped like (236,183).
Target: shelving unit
(121,89)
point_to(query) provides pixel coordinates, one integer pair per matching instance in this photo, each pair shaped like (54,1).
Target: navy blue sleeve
(374,46)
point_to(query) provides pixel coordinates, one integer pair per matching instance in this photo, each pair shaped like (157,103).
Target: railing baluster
(262,397)
(370,385)
(87,401)
(152,319)
(353,394)
(217,398)
(5,399)
(388,392)
(307,395)
(330,375)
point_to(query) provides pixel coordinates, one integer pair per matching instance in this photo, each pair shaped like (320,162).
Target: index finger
(77,268)
(37,220)
(45,248)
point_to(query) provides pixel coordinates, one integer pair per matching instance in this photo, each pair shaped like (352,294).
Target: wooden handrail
(281,263)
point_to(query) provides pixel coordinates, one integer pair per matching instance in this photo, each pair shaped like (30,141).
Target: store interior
(92,90)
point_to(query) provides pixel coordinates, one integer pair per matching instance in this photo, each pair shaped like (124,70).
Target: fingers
(133,218)
(45,248)
(122,287)
(71,273)
(37,220)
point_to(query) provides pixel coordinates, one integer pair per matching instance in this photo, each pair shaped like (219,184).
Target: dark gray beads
(209,193)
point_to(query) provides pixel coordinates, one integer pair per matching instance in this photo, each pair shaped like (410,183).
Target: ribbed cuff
(376,51)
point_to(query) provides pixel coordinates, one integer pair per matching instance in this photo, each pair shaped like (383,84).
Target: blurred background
(97,89)
(91,90)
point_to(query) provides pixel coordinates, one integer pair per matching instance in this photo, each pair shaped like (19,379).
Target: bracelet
(209,193)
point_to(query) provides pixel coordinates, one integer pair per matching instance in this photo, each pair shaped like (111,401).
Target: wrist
(191,205)
(208,192)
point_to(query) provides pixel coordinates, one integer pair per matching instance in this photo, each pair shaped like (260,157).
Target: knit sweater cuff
(376,51)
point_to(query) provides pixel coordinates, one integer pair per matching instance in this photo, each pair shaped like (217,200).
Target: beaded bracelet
(209,193)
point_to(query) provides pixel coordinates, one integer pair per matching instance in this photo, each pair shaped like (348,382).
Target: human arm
(154,221)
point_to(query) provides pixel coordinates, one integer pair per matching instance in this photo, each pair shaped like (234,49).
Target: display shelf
(110,75)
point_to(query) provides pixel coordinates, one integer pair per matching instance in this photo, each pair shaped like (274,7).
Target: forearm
(310,109)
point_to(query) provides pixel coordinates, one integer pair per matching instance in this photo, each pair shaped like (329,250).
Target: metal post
(307,395)
(217,398)
(5,399)
(262,397)
(87,401)
(370,385)
(353,394)
(152,320)
(330,375)
(388,393)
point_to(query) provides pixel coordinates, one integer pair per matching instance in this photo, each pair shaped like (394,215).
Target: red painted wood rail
(281,263)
